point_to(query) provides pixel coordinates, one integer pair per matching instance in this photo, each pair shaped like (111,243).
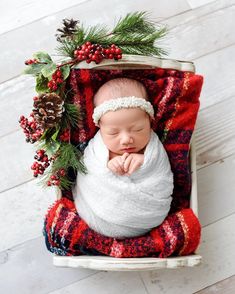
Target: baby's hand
(116,164)
(133,162)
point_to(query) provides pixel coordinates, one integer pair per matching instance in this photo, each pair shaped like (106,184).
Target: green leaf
(54,136)
(33,69)
(42,57)
(65,71)
(48,70)
(41,84)
(52,147)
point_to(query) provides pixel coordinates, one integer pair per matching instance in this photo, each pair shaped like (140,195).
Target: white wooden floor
(202,31)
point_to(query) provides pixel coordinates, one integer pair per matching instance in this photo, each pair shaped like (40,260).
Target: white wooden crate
(108,263)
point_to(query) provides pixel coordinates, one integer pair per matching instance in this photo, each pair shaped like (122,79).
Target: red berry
(59,81)
(45,159)
(58,73)
(62,172)
(48,183)
(57,182)
(35,174)
(118,51)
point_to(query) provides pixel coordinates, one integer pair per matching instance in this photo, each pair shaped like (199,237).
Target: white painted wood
(106,283)
(194,194)
(22,212)
(25,11)
(107,263)
(215,134)
(191,34)
(16,158)
(217,69)
(27,269)
(216,190)
(16,99)
(139,62)
(196,3)
(226,286)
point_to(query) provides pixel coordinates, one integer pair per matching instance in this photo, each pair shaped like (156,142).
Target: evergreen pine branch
(67,47)
(96,34)
(72,116)
(135,29)
(69,156)
(134,22)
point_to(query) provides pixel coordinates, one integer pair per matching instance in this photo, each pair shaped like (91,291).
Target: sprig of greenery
(134,34)
(69,156)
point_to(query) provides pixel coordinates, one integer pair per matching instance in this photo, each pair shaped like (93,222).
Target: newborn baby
(127,190)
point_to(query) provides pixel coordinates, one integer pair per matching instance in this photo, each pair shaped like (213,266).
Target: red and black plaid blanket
(175,97)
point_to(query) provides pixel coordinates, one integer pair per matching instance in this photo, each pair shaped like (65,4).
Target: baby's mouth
(128,149)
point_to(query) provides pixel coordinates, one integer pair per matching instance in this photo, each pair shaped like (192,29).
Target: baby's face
(125,128)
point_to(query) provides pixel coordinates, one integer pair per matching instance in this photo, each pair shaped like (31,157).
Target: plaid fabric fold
(67,234)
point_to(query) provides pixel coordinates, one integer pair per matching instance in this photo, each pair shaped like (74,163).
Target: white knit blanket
(124,206)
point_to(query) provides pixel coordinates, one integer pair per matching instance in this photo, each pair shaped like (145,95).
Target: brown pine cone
(48,109)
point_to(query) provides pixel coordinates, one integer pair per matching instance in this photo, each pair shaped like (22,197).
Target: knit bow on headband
(123,102)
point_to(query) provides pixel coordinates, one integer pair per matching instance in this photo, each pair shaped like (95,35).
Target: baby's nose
(126,138)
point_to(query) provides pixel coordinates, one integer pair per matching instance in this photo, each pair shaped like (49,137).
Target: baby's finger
(135,165)
(127,163)
(124,156)
(117,168)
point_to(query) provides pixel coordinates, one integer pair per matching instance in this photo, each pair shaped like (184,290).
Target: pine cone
(68,29)
(48,109)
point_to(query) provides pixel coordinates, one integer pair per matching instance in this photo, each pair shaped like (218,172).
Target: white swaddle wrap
(124,206)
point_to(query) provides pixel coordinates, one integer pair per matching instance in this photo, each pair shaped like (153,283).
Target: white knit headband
(123,102)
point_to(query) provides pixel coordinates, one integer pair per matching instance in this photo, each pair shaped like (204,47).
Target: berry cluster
(32,130)
(31,61)
(37,167)
(57,79)
(55,179)
(95,52)
(65,136)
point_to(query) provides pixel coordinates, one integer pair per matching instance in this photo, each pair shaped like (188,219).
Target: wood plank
(191,33)
(226,286)
(106,283)
(215,184)
(16,157)
(217,69)
(197,3)
(28,269)
(215,133)
(217,250)
(39,35)
(26,204)
(24,11)
(16,99)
